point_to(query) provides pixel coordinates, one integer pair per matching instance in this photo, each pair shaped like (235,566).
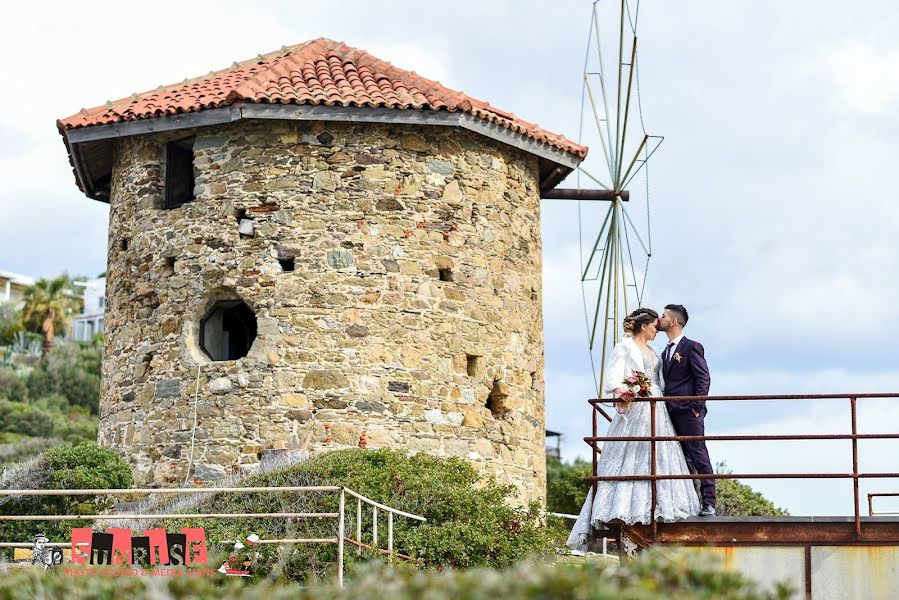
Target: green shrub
(53,403)
(10,322)
(87,465)
(83,466)
(16,417)
(566,491)
(642,579)
(566,488)
(72,370)
(75,425)
(470,522)
(737,499)
(12,386)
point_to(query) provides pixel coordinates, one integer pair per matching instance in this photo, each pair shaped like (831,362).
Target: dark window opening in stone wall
(123,244)
(228,330)
(496,401)
(169,268)
(287,264)
(179,173)
(473,364)
(446,275)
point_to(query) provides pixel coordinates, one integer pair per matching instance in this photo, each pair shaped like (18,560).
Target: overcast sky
(773,197)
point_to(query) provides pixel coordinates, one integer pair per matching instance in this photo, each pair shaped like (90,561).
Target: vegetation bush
(12,386)
(16,417)
(82,466)
(737,499)
(10,322)
(566,488)
(566,491)
(75,425)
(72,370)
(642,579)
(469,520)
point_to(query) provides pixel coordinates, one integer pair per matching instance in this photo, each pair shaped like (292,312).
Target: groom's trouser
(697,455)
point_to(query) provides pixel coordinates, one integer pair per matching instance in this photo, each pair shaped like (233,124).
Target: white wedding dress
(629,501)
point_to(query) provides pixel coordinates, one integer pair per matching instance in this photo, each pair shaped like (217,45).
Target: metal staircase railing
(339,516)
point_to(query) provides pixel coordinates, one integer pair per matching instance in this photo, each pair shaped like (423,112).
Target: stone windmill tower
(311,245)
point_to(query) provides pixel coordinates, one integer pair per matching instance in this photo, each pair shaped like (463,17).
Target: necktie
(668,352)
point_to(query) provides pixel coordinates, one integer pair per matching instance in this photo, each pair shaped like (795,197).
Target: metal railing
(871,497)
(654,477)
(340,515)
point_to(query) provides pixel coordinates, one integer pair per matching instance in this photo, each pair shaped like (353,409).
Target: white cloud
(862,76)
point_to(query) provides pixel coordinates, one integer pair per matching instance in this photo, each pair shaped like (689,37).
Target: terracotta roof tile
(320,72)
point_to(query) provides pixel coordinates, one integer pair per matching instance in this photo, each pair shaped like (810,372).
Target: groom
(687,374)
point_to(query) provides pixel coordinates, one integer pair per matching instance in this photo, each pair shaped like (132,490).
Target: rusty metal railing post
(652,467)
(870,505)
(858,518)
(593,445)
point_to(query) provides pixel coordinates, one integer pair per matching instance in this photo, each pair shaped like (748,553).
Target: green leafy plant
(654,578)
(16,417)
(82,466)
(49,304)
(13,386)
(566,487)
(72,370)
(10,322)
(25,343)
(470,521)
(737,499)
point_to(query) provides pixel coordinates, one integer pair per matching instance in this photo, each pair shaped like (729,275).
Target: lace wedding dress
(630,501)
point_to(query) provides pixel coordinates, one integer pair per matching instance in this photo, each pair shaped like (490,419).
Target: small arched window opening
(228,330)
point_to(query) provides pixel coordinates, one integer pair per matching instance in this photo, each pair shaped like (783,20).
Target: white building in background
(12,286)
(90,322)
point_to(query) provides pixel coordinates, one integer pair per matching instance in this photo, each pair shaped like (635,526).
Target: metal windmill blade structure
(615,263)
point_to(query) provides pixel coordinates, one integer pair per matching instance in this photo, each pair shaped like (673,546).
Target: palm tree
(48,305)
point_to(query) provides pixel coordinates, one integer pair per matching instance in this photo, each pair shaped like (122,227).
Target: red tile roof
(319,72)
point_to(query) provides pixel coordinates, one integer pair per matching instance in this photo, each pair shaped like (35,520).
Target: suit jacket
(688,376)
(626,358)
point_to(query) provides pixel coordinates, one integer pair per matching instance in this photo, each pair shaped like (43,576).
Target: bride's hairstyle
(634,322)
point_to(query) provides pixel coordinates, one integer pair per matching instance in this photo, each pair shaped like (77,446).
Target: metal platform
(769,531)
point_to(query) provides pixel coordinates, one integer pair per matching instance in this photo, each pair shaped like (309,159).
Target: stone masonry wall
(365,334)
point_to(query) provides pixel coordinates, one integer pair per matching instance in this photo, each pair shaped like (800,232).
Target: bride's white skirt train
(630,501)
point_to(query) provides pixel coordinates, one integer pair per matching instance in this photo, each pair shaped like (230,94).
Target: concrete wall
(837,572)
(364,334)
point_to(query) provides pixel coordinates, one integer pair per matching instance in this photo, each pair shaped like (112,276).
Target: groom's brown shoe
(707,511)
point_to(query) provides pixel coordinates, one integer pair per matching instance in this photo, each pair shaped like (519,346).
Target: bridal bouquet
(635,385)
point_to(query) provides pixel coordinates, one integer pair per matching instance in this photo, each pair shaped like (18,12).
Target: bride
(629,501)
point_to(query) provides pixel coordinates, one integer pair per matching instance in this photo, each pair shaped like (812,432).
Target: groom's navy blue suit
(687,374)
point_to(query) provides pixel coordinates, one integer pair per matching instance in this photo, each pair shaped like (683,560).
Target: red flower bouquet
(635,385)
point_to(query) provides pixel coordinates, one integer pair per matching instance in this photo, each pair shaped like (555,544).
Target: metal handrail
(200,490)
(653,477)
(340,515)
(873,495)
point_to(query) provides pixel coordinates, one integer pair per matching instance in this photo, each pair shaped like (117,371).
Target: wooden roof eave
(555,164)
